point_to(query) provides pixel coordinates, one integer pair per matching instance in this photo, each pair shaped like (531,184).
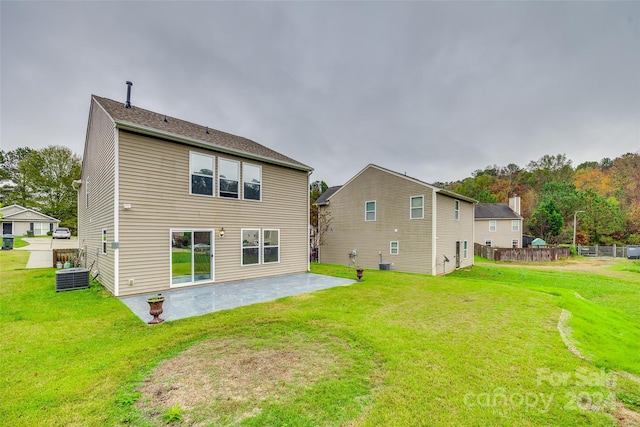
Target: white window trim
(456,210)
(411,207)
(493,225)
(375,209)
(239,179)
(86,192)
(212,266)
(515,225)
(487,242)
(397,247)
(465,249)
(263,246)
(242,230)
(243,181)
(104,238)
(516,241)
(213,170)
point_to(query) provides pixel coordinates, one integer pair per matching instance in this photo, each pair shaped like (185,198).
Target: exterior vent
(71,279)
(128,103)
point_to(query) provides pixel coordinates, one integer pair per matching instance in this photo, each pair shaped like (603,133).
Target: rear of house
(164,203)
(388,218)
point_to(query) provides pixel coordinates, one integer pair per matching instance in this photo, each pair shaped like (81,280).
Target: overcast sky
(433,89)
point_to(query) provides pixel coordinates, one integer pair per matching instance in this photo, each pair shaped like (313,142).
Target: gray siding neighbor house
(498,225)
(388,217)
(18,220)
(164,203)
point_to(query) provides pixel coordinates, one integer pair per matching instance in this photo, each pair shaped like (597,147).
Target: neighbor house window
(201,167)
(417,207)
(370,211)
(515,243)
(487,242)
(270,246)
(492,225)
(465,249)
(104,240)
(250,246)
(515,225)
(228,171)
(252,182)
(86,191)
(394,248)
(456,209)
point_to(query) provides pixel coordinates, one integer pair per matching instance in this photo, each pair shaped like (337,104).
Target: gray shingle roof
(495,211)
(324,197)
(148,120)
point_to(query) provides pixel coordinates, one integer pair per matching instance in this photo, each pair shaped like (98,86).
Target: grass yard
(478,347)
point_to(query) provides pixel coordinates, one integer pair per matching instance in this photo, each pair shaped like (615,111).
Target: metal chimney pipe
(128,103)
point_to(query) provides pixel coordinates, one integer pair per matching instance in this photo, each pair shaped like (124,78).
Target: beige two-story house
(381,217)
(164,203)
(498,225)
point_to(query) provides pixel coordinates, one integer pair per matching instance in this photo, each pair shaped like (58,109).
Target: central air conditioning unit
(71,279)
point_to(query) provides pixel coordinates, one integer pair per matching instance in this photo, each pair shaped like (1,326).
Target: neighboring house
(388,217)
(164,203)
(17,220)
(498,225)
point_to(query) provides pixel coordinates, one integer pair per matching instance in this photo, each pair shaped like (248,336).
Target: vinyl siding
(502,237)
(450,231)
(154,179)
(99,165)
(349,230)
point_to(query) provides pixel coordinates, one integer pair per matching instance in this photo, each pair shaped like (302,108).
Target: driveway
(41,249)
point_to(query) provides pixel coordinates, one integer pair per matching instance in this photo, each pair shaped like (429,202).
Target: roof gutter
(130,127)
(456,195)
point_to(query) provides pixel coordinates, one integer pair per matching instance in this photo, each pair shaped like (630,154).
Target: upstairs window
(228,174)
(370,211)
(456,209)
(492,225)
(252,182)
(417,207)
(86,191)
(201,168)
(515,225)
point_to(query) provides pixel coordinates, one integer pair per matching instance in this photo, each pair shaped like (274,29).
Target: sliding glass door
(191,257)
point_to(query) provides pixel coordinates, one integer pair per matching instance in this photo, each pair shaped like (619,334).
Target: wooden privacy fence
(64,255)
(520,254)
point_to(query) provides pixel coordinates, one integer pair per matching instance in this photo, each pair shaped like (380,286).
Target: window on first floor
(487,242)
(270,246)
(250,246)
(493,226)
(465,249)
(370,211)
(228,175)
(417,207)
(104,240)
(515,243)
(394,248)
(201,168)
(515,225)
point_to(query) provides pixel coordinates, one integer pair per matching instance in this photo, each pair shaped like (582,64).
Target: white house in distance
(499,225)
(164,203)
(18,220)
(388,217)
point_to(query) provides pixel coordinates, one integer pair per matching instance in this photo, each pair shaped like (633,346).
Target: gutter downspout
(434,241)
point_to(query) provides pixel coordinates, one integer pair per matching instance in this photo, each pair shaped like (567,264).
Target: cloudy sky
(433,89)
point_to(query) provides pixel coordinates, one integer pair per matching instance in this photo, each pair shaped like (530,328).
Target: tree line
(604,197)
(42,180)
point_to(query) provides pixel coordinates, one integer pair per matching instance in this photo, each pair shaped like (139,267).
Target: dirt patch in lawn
(225,381)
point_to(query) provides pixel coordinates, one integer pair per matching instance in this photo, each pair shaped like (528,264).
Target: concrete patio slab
(189,302)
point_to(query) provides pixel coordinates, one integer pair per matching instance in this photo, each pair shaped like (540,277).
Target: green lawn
(478,347)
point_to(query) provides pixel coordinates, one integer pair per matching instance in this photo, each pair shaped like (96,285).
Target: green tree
(601,217)
(9,161)
(551,168)
(47,176)
(546,221)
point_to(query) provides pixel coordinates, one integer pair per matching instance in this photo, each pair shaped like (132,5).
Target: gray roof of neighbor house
(21,214)
(495,211)
(147,122)
(324,197)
